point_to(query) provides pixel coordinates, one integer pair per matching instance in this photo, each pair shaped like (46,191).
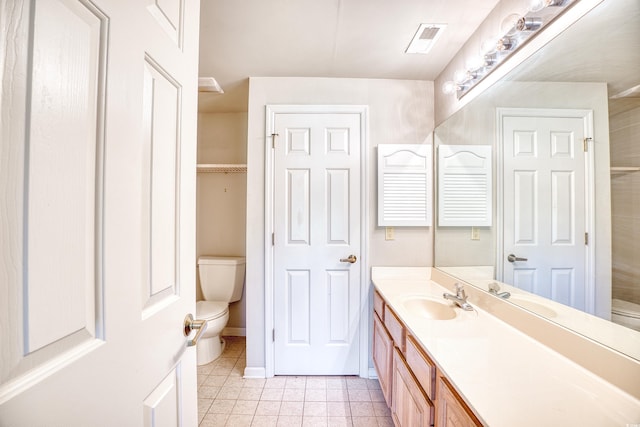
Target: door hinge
(585,143)
(273,139)
(273,239)
(586,238)
(273,335)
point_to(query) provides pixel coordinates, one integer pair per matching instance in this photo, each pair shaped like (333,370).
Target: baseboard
(255,372)
(373,374)
(234,332)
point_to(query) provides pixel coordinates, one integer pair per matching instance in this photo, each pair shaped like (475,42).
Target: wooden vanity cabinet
(383,357)
(409,405)
(451,410)
(417,392)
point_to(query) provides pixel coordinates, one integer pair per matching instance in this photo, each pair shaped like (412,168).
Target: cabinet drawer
(378,305)
(395,328)
(423,368)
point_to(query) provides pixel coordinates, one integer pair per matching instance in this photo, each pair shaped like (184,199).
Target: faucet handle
(494,287)
(460,293)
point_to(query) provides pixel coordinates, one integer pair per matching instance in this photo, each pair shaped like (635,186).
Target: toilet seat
(211,310)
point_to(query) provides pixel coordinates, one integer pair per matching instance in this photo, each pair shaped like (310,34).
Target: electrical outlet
(475,233)
(389,233)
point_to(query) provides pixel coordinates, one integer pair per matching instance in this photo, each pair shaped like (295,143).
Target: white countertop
(507,377)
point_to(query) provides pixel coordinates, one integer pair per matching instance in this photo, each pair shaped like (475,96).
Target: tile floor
(225,398)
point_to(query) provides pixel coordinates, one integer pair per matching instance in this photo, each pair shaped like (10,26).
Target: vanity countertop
(507,377)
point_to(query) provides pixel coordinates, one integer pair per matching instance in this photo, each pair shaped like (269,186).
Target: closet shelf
(221,168)
(624,169)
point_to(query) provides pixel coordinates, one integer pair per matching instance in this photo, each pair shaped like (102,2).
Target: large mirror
(564,129)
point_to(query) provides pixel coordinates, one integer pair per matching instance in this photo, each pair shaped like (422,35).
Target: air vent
(425,38)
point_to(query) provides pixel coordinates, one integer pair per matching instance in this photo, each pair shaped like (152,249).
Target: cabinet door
(409,406)
(452,411)
(383,357)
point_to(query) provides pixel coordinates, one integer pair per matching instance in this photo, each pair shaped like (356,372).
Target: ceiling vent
(425,38)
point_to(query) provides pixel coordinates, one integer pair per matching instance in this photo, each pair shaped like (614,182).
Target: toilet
(625,313)
(221,282)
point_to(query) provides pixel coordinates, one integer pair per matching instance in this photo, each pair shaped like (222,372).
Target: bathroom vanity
(439,365)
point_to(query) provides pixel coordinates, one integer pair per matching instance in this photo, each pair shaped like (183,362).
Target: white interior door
(317,224)
(97,155)
(545,206)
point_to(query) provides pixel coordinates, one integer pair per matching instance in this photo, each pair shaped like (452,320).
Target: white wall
(221,198)
(400,111)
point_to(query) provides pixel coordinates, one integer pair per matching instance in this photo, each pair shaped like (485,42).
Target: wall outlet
(475,233)
(389,233)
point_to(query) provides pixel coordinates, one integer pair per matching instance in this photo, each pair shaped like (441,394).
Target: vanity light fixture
(515,30)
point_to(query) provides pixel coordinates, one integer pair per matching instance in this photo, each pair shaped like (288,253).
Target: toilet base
(209,349)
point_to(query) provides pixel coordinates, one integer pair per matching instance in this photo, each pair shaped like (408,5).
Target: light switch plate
(475,233)
(389,233)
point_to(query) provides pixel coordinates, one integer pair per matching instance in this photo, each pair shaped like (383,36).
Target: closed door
(97,219)
(317,243)
(545,214)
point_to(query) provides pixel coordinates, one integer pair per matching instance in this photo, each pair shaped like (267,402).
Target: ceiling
(324,38)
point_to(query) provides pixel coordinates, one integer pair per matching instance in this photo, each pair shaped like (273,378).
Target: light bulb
(489,45)
(449,87)
(476,62)
(461,76)
(508,24)
(529,24)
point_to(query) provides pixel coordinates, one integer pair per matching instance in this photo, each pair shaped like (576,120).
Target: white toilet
(221,281)
(625,313)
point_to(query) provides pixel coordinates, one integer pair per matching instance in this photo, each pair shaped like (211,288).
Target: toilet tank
(221,277)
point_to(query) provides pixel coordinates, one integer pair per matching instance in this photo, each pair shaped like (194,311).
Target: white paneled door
(317,243)
(545,206)
(97,182)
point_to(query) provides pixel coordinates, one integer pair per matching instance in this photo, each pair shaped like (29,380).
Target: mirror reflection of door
(545,186)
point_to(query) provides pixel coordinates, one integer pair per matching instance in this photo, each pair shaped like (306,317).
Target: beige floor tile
(314,421)
(316,382)
(266,407)
(337,395)
(239,420)
(275,382)
(315,409)
(205,369)
(296,382)
(338,409)
(215,380)
(358,395)
(221,406)
(292,408)
(364,422)
(265,421)
(289,421)
(206,392)
(293,394)
(203,405)
(245,407)
(255,382)
(229,393)
(361,409)
(315,395)
(336,383)
(373,384)
(214,420)
(385,422)
(250,393)
(376,396)
(354,383)
(272,394)
(339,422)
(381,409)
(234,382)
(221,370)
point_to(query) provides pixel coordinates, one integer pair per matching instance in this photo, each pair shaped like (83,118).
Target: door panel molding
(559,148)
(335,142)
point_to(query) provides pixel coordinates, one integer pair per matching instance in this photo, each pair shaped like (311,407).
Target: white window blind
(464,185)
(404,185)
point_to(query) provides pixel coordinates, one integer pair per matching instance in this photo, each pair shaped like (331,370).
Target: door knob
(350,259)
(189,325)
(513,258)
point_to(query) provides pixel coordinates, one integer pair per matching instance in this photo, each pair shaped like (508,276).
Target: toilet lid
(625,308)
(209,310)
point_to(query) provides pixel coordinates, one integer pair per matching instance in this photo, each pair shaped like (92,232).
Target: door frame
(269,322)
(589,159)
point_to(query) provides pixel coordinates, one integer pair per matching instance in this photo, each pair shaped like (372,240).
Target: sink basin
(429,308)
(529,304)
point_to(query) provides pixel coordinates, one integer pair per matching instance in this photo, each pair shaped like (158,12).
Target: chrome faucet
(460,298)
(494,288)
